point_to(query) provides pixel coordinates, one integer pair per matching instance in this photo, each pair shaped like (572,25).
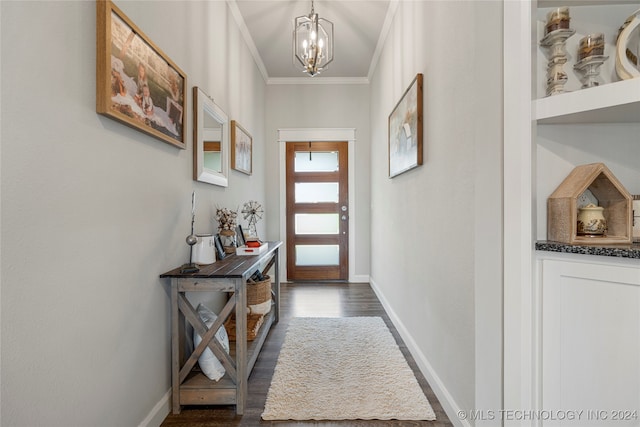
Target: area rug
(343,369)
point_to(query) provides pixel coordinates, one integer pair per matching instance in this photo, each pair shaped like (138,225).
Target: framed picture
(241,241)
(405,130)
(136,83)
(219,248)
(241,148)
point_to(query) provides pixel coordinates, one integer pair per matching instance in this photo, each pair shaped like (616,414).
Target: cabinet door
(590,353)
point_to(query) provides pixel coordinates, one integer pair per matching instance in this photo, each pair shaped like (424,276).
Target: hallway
(305,300)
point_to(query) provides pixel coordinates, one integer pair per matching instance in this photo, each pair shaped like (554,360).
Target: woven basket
(259,292)
(254,321)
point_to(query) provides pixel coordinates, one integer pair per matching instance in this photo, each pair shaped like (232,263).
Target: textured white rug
(343,369)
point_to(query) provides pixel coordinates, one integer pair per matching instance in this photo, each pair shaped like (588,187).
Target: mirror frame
(203,104)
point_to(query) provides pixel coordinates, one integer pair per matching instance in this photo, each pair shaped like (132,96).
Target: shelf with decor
(589,125)
(189,384)
(613,99)
(545,139)
(617,102)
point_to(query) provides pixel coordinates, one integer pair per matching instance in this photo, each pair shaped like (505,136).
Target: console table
(192,387)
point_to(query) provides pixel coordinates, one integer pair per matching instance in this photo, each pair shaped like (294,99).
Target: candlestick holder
(590,69)
(191,240)
(555,44)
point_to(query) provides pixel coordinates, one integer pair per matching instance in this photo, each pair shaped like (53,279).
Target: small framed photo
(136,83)
(219,248)
(240,240)
(405,130)
(241,149)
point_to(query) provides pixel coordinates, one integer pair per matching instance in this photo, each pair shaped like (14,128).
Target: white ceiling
(359,27)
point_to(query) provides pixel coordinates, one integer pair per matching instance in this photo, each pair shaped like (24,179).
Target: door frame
(317,134)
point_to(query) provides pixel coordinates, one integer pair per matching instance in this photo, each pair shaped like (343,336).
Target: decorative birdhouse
(590,184)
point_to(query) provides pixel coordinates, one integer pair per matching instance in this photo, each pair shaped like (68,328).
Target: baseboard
(446,400)
(159,412)
(359,278)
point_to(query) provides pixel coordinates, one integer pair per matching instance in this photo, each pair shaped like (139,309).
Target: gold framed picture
(241,149)
(136,83)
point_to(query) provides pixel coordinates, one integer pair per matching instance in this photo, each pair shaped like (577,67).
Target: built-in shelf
(617,102)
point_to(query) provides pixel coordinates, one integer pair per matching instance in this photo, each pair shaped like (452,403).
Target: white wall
(322,106)
(436,230)
(93,211)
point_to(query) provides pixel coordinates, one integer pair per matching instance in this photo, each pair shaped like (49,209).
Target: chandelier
(312,42)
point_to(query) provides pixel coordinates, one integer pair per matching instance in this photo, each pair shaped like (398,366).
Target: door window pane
(316,192)
(316,255)
(317,223)
(319,162)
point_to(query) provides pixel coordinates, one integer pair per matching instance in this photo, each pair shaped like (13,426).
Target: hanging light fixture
(312,42)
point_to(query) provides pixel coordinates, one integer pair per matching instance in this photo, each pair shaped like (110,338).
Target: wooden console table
(192,387)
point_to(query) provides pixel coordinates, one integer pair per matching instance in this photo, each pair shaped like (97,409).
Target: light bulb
(313,35)
(321,43)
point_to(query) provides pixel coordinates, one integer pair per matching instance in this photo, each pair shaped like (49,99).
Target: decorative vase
(590,69)
(628,56)
(228,239)
(557,32)
(591,221)
(590,58)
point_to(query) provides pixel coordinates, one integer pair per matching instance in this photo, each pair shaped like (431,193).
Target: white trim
(445,398)
(159,412)
(246,35)
(318,134)
(359,278)
(519,158)
(317,81)
(384,33)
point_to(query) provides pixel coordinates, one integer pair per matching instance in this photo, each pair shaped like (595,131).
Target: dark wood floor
(305,300)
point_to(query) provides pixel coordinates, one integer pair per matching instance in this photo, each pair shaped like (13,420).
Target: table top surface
(619,251)
(232,266)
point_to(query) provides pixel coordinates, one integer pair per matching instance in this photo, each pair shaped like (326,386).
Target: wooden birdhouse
(595,183)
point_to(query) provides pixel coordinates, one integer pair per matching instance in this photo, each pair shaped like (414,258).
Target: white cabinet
(589,342)
(544,139)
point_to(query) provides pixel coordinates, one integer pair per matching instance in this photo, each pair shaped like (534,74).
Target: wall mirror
(210,141)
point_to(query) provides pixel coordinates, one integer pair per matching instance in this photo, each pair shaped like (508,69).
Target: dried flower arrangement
(227,219)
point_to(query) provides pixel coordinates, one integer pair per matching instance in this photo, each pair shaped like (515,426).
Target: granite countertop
(620,251)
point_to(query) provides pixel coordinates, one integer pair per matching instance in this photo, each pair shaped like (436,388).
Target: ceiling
(359,28)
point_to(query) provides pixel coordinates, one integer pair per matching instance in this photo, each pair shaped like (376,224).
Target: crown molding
(384,33)
(317,81)
(246,35)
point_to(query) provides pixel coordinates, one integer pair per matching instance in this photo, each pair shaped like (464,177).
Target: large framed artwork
(136,83)
(405,130)
(241,149)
